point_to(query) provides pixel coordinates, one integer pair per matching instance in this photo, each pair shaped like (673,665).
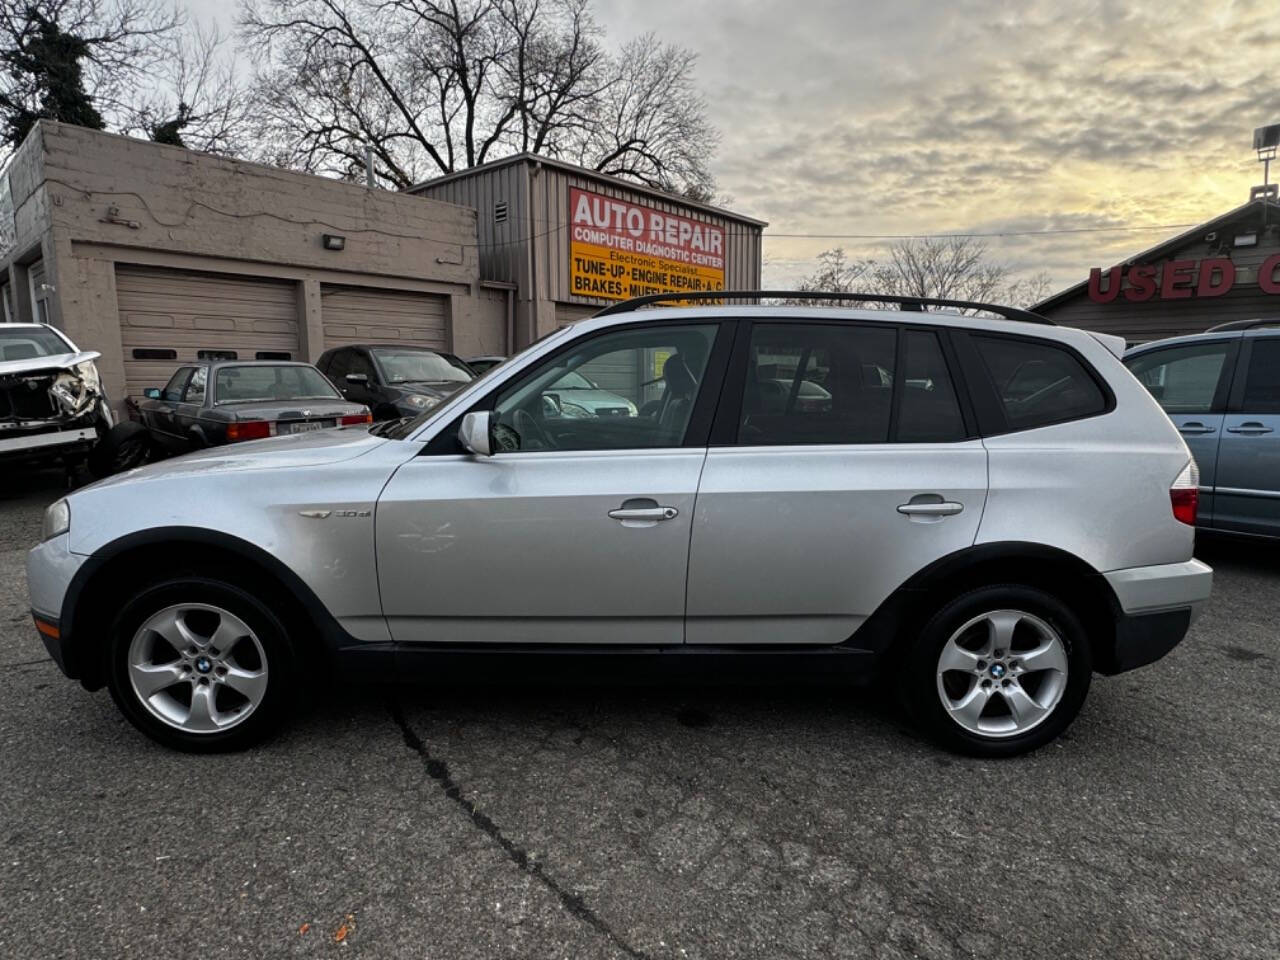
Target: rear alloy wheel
(200,665)
(999,671)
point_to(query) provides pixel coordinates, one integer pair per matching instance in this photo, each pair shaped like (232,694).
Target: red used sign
(1175,280)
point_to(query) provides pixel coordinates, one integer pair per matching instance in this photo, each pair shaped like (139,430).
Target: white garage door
(365,315)
(169,317)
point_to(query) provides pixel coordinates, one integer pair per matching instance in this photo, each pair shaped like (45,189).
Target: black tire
(280,661)
(919,682)
(123,447)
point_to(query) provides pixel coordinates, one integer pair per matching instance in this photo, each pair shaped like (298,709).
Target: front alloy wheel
(200,664)
(198,668)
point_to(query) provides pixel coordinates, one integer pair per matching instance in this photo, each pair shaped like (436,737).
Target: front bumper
(51,566)
(49,443)
(1157,606)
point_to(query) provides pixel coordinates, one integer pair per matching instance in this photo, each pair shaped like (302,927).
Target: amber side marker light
(48,629)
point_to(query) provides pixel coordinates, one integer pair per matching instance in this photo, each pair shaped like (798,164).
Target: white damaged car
(52,405)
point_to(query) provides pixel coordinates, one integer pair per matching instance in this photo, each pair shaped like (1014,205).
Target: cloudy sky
(974,116)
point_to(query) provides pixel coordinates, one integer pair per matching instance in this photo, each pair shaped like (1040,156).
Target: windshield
(421,366)
(28,342)
(284,382)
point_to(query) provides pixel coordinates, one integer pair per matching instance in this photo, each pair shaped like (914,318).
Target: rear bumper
(1157,606)
(1166,586)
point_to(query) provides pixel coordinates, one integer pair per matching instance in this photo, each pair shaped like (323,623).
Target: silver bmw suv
(984,511)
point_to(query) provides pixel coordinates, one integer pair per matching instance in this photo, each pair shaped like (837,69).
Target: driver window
(625,390)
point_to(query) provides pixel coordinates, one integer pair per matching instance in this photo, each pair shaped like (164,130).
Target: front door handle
(947,508)
(1194,428)
(1250,428)
(643,510)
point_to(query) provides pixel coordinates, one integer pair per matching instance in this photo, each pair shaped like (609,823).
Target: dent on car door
(1247,484)
(564,535)
(845,467)
(1191,383)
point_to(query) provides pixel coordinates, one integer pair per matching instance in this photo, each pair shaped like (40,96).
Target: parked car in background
(483,364)
(208,404)
(1222,391)
(51,401)
(1010,513)
(394,381)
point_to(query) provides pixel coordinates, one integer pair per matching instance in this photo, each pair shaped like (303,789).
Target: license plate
(309,425)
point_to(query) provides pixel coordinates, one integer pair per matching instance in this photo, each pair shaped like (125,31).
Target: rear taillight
(353,418)
(1184,494)
(249,430)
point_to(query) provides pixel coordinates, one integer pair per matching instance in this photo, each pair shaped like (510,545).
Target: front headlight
(88,372)
(421,401)
(57,520)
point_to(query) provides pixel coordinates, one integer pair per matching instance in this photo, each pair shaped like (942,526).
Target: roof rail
(916,304)
(1244,325)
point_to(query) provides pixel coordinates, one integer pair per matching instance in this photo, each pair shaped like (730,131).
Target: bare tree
(110,46)
(435,86)
(947,268)
(198,100)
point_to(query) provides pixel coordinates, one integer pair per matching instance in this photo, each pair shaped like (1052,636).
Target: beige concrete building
(155,255)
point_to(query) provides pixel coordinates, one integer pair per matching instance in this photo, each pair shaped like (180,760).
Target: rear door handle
(1250,428)
(948,508)
(1194,428)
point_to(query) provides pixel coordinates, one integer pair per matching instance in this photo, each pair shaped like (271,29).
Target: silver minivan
(979,511)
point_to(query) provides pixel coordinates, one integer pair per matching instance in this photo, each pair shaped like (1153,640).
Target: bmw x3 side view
(985,511)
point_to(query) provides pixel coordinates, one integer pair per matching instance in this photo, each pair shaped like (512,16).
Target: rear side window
(818,384)
(1262,383)
(1182,379)
(930,411)
(1039,383)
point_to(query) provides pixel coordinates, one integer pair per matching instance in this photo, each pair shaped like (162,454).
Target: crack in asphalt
(25,663)
(438,771)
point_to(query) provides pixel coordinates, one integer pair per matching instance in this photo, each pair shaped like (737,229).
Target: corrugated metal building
(528,210)
(1227,268)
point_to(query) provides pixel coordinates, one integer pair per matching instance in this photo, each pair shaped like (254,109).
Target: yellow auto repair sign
(619,250)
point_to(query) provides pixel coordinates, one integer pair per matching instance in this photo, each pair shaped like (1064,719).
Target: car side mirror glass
(151,393)
(361,378)
(474,433)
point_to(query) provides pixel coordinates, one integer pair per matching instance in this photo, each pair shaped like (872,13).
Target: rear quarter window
(1039,383)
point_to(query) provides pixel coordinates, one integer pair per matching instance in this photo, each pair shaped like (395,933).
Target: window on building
(818,384)
(217,355)
(1039,383)
(273,355)
(1183,379)
(154,353)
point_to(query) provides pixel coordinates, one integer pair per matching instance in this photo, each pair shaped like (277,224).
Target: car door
(1247,487)
(160,416)
(1191,382)
(841,464)
(577,531)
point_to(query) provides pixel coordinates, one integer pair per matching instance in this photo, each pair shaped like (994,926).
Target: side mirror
(474,433)
(151,393)
(360,378)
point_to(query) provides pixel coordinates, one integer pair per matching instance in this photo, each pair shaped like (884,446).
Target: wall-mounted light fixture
(334,242)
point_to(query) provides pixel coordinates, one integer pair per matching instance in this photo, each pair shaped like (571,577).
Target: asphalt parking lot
(582,822)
